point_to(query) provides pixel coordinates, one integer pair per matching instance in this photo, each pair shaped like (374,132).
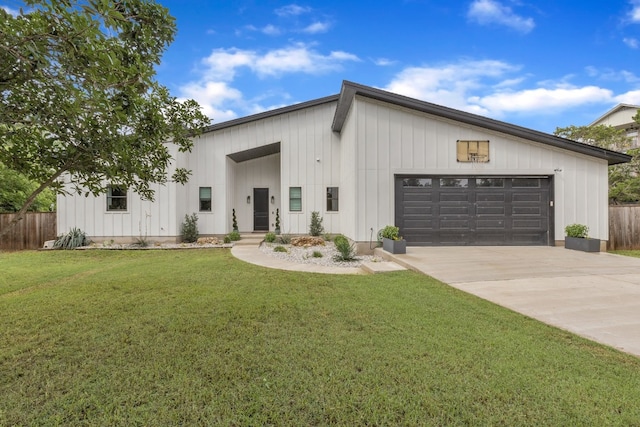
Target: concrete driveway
(595,295)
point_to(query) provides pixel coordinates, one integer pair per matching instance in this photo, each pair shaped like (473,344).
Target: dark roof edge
(350,89)
(271,113)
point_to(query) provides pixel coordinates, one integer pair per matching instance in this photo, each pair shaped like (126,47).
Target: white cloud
(221,101)
(634,14)
(448,84)
(633,43)
(542,99)
(271,30)
(489,88)
(213,96)
(292,10)
(317,27)
(383,62)
(222,64)
(631,97)
(10,11)
(486,12)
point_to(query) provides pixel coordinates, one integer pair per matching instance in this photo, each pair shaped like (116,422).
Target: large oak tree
(78,96)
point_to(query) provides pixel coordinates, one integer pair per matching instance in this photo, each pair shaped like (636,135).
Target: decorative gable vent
(472,151)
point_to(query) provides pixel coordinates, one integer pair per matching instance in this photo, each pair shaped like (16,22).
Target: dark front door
(261,209)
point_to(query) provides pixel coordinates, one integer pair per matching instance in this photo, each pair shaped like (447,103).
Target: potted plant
(392,241)
(277,230)
(577,238)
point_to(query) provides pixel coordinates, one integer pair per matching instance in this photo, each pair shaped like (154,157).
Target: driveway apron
(595,295)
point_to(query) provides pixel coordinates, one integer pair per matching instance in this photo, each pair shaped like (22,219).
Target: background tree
(14,190)
(78,97)
(624,179)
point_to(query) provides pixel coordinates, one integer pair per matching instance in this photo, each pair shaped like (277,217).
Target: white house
(621,117)
(364,159)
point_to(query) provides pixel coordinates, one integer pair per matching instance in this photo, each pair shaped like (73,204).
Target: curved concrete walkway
(595,295)
(253,255)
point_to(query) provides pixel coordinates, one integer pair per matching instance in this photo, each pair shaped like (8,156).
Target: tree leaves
(78,95)
(624,179)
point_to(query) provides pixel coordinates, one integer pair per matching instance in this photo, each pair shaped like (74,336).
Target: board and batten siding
(156,220)
(309,158)
(394,140)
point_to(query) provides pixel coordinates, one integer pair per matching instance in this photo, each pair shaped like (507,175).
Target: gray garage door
(441,211)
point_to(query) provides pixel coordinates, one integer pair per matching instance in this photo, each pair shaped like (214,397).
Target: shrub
(235,220)
(326,237)
(317,254)
(270,237)
(234,235)
(339,238)
(577,230)
(390,232)
(227,239)
(143,242)
(277,221)
(73,239)
(280,249)
(346,250)
(316,228)
(285,239)
(190,228)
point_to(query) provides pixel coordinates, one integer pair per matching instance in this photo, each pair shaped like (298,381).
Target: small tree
(316,228)
(190,228)
(235,220)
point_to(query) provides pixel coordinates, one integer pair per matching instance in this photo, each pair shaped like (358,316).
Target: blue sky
(539,64)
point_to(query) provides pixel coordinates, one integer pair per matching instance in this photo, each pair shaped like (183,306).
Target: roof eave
(271,113)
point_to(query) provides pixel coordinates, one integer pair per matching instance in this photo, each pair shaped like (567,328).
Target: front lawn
(199,338)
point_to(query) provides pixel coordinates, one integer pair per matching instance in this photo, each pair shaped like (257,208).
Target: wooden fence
(29,233)
(624,227)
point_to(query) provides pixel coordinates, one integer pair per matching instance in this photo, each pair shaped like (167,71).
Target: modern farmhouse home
(367,158)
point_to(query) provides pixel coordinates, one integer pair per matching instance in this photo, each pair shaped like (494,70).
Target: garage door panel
(473,211)
(418,210)
(417,197)
(491,197)
(495,224)
(458,196)
(527,197)
(490,210)
(455,210)
(454,223)
(527,224)
(418,224)
(526,210)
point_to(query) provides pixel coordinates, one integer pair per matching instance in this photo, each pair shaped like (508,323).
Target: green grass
(628,252)
(200,338)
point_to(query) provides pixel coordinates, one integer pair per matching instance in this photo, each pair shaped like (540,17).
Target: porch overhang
(255,153)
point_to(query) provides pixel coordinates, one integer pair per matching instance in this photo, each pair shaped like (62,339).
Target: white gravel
(305,255)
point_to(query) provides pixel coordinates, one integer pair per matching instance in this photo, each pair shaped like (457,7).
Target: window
(116,198)
(332,199)
(416,182)
(454,182)
(205,199)
(472,151)
(490,182)
(295,199)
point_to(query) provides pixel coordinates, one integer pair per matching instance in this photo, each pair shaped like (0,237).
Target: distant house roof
(349,90)
(615,110)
